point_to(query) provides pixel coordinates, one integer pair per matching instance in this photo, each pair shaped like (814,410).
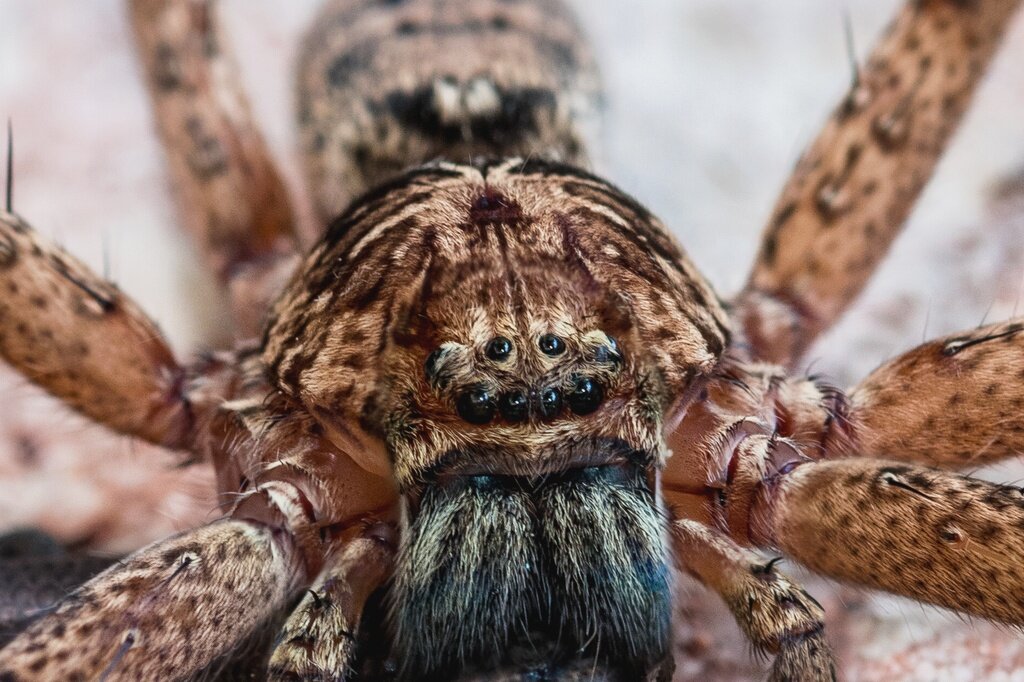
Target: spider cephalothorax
(498,306)
(501,310)
(495,403)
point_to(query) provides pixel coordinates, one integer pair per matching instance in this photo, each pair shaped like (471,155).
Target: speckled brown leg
(229,191)
(163,613)
(927,534)
(80,338)
(318,640)
(775,614)
(854,187)
(954,402)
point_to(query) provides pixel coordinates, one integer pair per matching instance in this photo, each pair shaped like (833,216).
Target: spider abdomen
(387,86)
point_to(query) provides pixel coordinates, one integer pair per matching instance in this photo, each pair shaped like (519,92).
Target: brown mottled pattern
(954,402)
(855,185)
(407,270)
(229,192)
(165,612)
(57,320)
(384,86)
(927,534)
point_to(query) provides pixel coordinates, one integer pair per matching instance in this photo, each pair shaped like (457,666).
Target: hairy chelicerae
(496,405)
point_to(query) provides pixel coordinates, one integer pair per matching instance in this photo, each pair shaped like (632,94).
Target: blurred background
(709,105)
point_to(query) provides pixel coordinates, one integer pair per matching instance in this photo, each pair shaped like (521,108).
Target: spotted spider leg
(955,402)
(230,194)
(261,447)
(77,336)
(776,615)
(801,475)
(854,187)
(172,609)
(57,320)
(927,534)
(176,607)
(935,536)
(318,641)
(165,612)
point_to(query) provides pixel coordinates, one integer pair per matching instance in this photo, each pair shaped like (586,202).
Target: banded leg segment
(852,190)
(927,534)
(776,615)
(953,402)
(165,612)
(318,641)
(81,339)
(229,191)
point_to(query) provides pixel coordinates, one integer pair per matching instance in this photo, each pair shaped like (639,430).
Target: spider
(461,404)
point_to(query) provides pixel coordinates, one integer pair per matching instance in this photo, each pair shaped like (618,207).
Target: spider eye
(476,405)
(551,345)
(586,396)
(498,348)
(550,402)
(514,406)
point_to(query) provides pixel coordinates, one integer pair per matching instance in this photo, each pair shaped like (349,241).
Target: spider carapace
(476,429)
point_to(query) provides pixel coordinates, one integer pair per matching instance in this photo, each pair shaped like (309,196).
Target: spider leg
(229,192)
(318,640)
(953,402)
(852,190)
(776,615)
(166,611)
(80,338)
(928,534)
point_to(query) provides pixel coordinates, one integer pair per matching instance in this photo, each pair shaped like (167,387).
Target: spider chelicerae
(469,390)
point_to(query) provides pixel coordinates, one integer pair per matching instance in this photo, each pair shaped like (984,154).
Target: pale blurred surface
(710,101)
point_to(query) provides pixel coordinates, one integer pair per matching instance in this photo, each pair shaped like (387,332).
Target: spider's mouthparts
(594,461)
(566,457)
(620,473)
(573,558)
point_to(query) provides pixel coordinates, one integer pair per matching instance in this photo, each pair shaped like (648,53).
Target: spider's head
(508,342)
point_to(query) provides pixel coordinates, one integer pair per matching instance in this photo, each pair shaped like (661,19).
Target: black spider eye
(476,405)
(498,348)
(551,345)
(550,402)
(514,406)
(586,396)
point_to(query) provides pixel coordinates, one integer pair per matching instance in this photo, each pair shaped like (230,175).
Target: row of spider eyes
(500,348)
(478,405)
